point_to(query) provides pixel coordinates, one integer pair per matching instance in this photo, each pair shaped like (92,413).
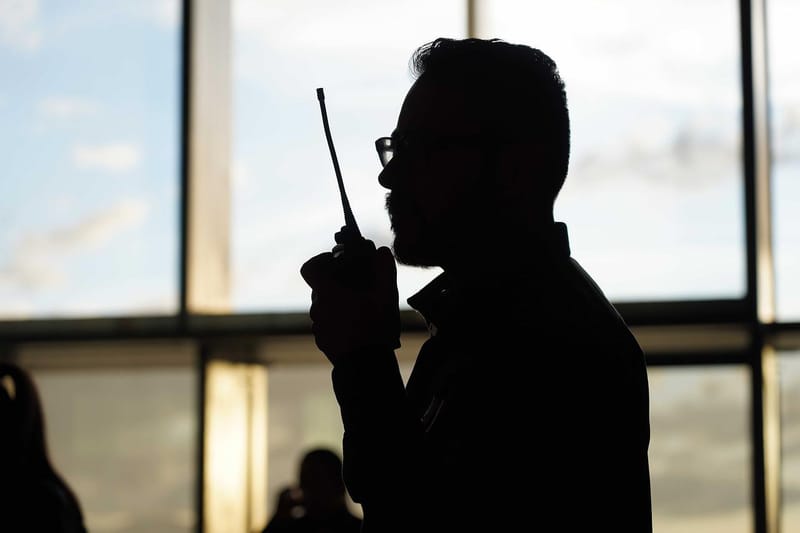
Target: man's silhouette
(33,495)
(527,409)
(319,503)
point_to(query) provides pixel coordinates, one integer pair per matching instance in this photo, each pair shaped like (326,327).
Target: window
(285,202)
(302,412)
(790,432)
(121,429)
(784,70)
(654,196)
(89,147)
(700,450)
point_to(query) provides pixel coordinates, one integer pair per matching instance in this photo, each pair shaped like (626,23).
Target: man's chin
(412,252)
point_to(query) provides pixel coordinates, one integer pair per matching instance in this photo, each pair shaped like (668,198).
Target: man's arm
(357,327)
(382,436)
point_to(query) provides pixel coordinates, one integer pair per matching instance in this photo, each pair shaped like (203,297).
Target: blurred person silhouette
(319,503)
(33,497)
(528,406)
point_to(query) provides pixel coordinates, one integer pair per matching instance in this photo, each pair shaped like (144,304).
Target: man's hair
(325,465)
(515,90)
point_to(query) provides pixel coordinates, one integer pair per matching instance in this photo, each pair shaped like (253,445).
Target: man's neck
(493,255)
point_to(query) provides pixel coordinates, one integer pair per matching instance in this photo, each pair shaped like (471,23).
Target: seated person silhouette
(33,496)
(528,407)
(319,504)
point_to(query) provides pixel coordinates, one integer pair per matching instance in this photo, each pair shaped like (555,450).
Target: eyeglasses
(385,147)
(388,147)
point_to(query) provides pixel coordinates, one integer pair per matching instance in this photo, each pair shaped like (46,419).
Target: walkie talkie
(352,250)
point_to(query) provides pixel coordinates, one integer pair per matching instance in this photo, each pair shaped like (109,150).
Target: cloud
(699,451)
(61,107)
(165,13)
(35,260)
(19,24)
(688,155)
(99,227)
(111,157)
(16,309)
(241,175)
(700,446)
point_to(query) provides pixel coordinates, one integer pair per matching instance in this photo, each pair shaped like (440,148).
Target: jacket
(527,409)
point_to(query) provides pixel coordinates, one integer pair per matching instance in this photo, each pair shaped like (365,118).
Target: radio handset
(352,250)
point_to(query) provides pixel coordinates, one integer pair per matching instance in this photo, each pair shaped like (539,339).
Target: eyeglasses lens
(385,150)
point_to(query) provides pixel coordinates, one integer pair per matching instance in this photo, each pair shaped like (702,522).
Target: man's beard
(413,244)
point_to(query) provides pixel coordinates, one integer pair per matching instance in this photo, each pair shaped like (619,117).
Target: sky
(89,144)
(653,200)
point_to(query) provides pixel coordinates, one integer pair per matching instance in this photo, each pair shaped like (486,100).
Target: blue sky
(88,199)
(89,100)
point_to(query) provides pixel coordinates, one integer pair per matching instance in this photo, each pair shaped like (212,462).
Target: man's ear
(517,170)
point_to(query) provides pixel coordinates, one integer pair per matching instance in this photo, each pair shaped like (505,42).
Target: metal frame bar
(765,411)
(200,458)
(187,18)
(472,18)
(786,336)
(185,182)
(185,323)
(748,154)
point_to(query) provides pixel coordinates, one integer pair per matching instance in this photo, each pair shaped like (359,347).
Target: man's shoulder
(563,291)
(554,307)
(566,311)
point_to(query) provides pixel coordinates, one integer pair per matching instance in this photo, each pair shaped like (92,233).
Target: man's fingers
(318,269)
(312,311)
(385,266)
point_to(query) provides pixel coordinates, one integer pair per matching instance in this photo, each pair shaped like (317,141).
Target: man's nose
(387,176)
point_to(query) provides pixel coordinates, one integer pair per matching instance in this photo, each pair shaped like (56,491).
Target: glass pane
(89,148)
(654,196)
(124,439)
(285,201)
(235,447)
(790,437)
(784,84)
(302,414)
(700,449)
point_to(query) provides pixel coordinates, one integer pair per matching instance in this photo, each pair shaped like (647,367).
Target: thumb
(385,267)
(317,269)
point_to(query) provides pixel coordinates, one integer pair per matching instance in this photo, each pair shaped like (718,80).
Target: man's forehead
(436,108)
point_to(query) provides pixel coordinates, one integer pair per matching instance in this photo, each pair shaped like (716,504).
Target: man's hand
(290,504)
(349,315)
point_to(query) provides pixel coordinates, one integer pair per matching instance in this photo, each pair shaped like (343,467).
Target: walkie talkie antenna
(349,219)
